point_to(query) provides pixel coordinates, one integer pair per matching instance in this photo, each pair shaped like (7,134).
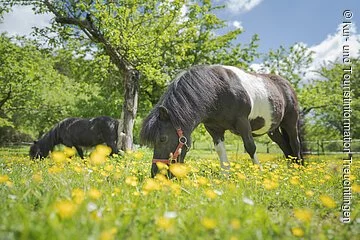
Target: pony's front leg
(80,151)
(249,144)
(224,162)
(217,135)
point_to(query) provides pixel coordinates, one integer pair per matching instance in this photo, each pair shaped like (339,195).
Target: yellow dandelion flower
(352,177)
(78,195)
(54,169)
(104,173)
(108,234)
(37,177)
(78,169)
(209,223)
(297,232)
(151,185)
(309,193)
(235,223)
(269,184)
(58,157)
(103,150)
(4,178)
(164,223)
(161,178)
(355,188)
(176,188)
(9,184)
(217,181)
(94,193)
(131,181)
(327,177)
(65,209)
(327,201)
(97,158)
(136,194)
(241,176)
(237,166)
(303,215)
(295,180)
(69,151)
(162,166)
(109,168)
(202,181)
(138,155)
(210,194)
(179,170)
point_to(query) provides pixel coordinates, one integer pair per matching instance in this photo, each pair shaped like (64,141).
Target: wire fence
(311,147)
(330,146)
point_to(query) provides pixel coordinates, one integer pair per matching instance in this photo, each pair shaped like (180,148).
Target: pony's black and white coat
(78,132)
(224,98)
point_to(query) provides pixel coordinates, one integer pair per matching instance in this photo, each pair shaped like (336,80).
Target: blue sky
(285,22)
(315,23)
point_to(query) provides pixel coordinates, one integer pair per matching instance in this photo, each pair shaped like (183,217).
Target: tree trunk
(131,94)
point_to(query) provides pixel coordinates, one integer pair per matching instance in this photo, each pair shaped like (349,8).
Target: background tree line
(116,58)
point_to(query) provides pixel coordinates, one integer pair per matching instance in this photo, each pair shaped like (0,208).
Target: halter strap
(174,156)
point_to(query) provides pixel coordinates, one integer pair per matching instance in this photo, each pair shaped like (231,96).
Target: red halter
(174,156)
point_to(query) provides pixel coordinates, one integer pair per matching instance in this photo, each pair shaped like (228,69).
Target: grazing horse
(222,98)
(78,132)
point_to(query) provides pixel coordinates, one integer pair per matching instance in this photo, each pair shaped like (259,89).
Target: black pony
(78,132)
(223,98)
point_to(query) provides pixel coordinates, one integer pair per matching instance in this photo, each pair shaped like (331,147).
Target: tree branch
(8,96)
(306,110)
(87,26)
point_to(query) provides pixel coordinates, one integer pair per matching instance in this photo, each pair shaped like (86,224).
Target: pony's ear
(163,113)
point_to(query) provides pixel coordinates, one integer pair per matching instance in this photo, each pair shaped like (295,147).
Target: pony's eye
(163,138)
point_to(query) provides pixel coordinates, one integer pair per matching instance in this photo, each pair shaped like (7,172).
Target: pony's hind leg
(292,132)
(80,151)
(110,136)
(113,146)
(218,138)
(244,129)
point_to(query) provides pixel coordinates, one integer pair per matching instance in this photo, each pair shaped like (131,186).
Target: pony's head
(36,151)
(170,143)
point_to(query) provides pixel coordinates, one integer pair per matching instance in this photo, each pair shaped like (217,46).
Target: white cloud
(22,19)
(258,68)
(331,49)
(238,6)
(237,24)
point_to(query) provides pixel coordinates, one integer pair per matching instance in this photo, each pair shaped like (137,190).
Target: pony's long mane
(49,139)
(189,97)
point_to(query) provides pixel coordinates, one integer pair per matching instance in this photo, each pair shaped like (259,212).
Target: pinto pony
(78,132)
(222,98)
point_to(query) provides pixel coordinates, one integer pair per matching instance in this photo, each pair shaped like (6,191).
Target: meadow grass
(114,198)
